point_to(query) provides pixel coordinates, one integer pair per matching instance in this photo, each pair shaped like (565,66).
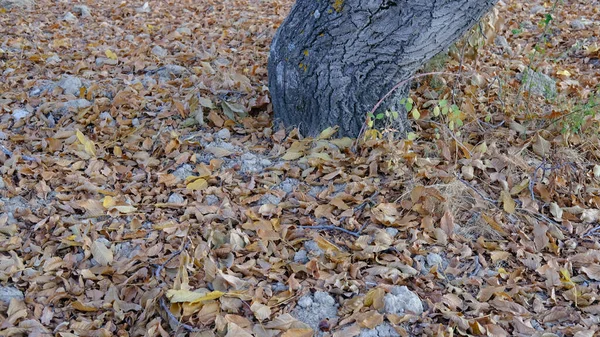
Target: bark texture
(331,61)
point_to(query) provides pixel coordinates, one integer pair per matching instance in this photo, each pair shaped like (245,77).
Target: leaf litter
(145,190)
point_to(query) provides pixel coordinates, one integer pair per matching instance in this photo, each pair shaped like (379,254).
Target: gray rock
(312,309)
(82,10)
(135,122)
(269,199)
(105,115)
(384,329)
(289,185)
(145,8)
(171,69)
(538,9)
(2,183)
(148,82)
(159,51)
(183,172)
(100,61)
(402,300)
(224,134)
(3,135)
(8,293)
(69,17)
(434,259)
(176,198)
(19,114)
(501,42)
(527,25)
(279,287)
(8,4)
(211,200)
(538,83)
(301,256)
(8,71)
(313,248)
(53,59)
(305,302)
(184,31)
(391,231)
(577,24)
(70,85)
(79,103)
(252,163)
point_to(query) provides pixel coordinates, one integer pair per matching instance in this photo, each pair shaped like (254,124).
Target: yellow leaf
(327,133)
(415,113)
(108,202)
(411,136)
(110,54)
(292,155)
(507,202)
(88,145)
(564,73)
(181,296)
(342,143)
(197,185)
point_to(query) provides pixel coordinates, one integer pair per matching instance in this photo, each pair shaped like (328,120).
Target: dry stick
(344,230)
(335,228)
(544,169)
(23,156)
(163,305)
(476,191)
(362,130)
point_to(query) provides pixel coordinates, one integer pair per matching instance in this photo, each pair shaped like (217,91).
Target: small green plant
(574,121)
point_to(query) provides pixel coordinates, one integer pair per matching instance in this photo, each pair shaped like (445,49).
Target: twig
(163,305)
(544,169)
(592,231)
(23,156)
(476,191)
(174,319)
(332,228)
(477,267)
(175,254)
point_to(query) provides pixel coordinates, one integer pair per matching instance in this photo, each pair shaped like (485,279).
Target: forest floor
(146,191)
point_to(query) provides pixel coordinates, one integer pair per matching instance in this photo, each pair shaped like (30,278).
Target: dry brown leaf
(102,254)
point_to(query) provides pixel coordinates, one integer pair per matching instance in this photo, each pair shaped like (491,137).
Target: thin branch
(333,228)
(476,191)
(162,302)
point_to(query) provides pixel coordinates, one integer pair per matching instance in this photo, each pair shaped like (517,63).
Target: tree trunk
(331,61)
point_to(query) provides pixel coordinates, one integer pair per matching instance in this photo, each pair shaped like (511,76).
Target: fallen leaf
(102,254)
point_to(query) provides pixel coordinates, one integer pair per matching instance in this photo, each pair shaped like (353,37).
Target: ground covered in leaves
(146,191)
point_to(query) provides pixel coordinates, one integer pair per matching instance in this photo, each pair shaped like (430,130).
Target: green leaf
(415,113)
(380,116)
(443,103)
(394,114)
(411,136)
(436,111)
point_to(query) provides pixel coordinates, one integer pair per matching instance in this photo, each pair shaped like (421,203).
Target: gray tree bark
(331,61)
